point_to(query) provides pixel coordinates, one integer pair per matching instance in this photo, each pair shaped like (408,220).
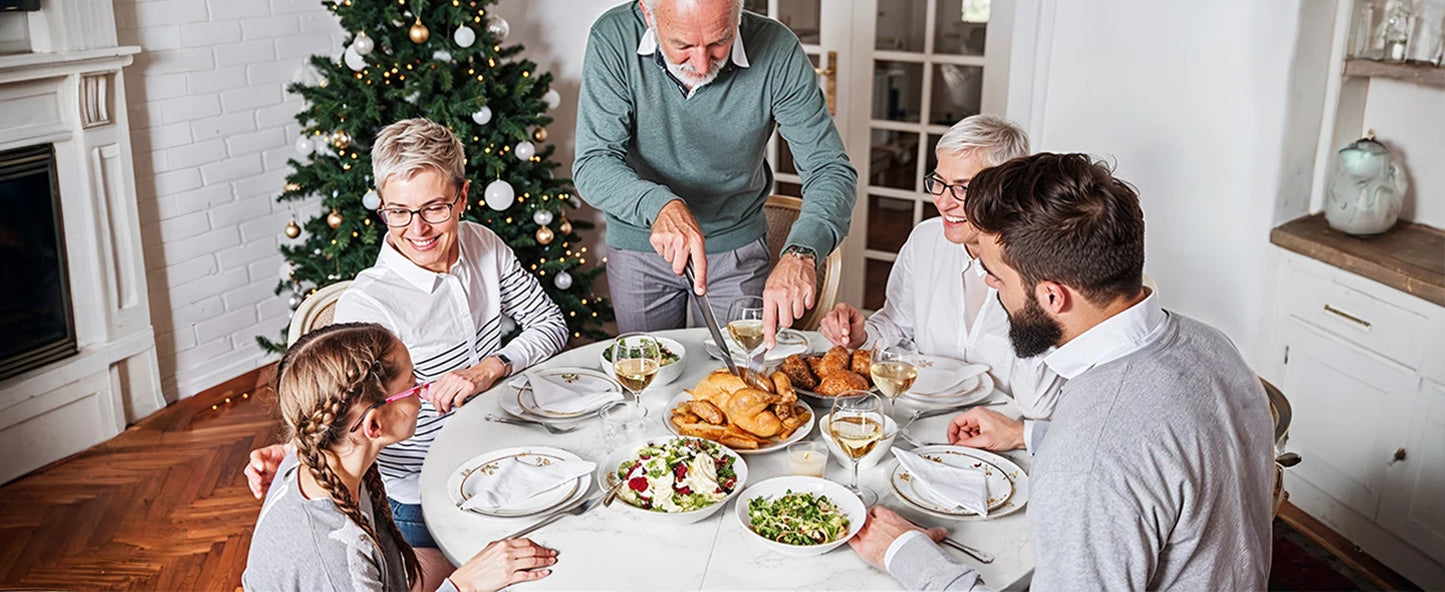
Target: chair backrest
(781,211)
(315,312)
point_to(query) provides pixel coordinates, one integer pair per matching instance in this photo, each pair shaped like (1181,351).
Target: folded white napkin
(554,394)
(517,480)
(950,487)
(940,378)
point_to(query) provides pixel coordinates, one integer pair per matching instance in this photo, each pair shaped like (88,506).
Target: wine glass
(856,425)
(745,324)
(636,357)
(894,368)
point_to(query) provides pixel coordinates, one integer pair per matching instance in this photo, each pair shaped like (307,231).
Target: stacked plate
(1008,484)
(520,402)
(482,472)
(946,382)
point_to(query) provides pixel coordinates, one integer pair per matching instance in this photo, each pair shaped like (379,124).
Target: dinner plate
(938,375)
(471,476)
(790,341)
(581,378)
(798,434)
(1008,484)
(511,399)
(969,392)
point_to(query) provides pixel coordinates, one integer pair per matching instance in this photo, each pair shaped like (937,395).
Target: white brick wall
(212,127)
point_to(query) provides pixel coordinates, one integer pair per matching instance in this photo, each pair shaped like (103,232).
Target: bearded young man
(1156,469)
(678,101)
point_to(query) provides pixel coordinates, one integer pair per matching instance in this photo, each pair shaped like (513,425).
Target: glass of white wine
(636,358)
(745,324)
(894,368)
(856,425)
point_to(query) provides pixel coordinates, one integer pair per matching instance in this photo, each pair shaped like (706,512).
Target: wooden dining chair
(781,211)
(315,312)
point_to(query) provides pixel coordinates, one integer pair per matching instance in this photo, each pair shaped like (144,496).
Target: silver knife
(712,326)
(577,510)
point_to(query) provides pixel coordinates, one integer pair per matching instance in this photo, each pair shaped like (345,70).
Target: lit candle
(807,459)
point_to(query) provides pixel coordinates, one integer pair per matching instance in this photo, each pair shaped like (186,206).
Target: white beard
(688,74)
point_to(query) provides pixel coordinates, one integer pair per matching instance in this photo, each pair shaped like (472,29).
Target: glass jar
(1427,36)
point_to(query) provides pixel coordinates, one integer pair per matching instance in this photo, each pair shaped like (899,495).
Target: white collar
(970,262)
(1115,337)
(648,46)
(424,279)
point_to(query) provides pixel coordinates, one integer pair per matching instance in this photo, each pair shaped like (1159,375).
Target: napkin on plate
(950,487)
(516,480)
(558,396)
(936,380)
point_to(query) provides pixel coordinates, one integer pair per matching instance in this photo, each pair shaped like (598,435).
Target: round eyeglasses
(935,186)
(431,214)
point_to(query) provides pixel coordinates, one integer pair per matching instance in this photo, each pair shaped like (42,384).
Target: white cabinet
(1413,506)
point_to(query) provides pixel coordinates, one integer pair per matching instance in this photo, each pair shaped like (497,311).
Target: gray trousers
(647,296)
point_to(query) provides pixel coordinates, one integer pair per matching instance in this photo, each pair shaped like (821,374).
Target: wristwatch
(801,251)
(506,362)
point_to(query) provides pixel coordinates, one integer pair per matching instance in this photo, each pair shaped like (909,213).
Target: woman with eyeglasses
(347,392)
(936,294)
(446,288)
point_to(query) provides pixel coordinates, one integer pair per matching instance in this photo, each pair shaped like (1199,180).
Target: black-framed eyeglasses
(416,390)
(935,185)
(431,214)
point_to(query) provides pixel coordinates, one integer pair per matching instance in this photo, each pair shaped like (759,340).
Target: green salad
(798,519)
(665,356)
(679,475)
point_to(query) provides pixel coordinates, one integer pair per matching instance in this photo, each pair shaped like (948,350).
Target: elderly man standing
(678,100)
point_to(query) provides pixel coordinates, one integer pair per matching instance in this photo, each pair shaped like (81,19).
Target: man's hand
(262,467)
(503,563)
(844,326)
(986,429)
(882,528)
(676,236)
(788,294)
(453,388)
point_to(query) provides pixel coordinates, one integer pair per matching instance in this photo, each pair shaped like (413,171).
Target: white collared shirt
(925,303)
(450,321)
(649,44)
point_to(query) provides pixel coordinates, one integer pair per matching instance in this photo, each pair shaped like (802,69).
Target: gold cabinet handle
(1364,324)
(1398,456)
(829,73)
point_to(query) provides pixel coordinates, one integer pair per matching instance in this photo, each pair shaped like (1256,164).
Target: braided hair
(320,379)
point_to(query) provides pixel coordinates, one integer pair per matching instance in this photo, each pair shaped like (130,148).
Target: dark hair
(1063,218)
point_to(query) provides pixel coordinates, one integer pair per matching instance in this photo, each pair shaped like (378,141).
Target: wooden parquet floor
(162,506)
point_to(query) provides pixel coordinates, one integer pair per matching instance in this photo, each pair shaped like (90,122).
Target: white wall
(212,127)
(1207,110)
(1410,119)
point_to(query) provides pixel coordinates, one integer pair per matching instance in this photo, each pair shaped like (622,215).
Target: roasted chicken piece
(862,362)
(836,360)
(787,397)
(799,374)
(836,383)
(707,411)
(749,409)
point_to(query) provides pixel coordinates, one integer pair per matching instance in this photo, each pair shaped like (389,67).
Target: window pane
(929,211)
(957,93)
(802,17)
(932,154)
(875,288)
(889,222)
(893,160)
(901,24)
(961,27)
(897,91)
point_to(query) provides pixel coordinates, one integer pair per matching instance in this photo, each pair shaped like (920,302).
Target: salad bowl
(670,369)
(672,483)
(843,503)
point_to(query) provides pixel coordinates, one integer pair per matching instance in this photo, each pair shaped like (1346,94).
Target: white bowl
(870,460)
(666,374)
(608,467)
(851,506)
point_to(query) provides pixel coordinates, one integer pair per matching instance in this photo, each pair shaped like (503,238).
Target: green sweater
(641,142)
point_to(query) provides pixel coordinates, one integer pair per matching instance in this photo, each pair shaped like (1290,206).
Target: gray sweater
(1155,474)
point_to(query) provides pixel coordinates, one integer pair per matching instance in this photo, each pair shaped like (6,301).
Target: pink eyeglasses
(416,390)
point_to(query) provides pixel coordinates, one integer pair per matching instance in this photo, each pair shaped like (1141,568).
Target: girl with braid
(346,391)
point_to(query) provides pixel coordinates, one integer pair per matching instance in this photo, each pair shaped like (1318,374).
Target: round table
(610,548)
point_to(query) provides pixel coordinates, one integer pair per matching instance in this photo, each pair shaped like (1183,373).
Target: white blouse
(925,303)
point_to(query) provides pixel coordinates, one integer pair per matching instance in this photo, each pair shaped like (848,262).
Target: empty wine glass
(636,357)
(856,425)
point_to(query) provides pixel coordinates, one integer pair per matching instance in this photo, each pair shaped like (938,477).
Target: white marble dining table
(611,548)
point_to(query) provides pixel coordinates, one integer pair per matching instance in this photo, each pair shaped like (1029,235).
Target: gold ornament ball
(544,236)
(540,134)
(293,230)
(340,140)
(419,33)
(334,219)
(291,187)
(565,227)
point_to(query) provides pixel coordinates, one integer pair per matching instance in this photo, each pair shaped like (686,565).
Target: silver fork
(981,556)
(555,429)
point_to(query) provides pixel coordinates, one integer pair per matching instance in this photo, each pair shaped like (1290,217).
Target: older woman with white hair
(936,293)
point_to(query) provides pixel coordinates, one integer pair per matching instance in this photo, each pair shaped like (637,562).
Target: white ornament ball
(363,44)
(294,301)
(498,27)
(483,115)
(508,325)
(542,217)
(286,271)
(304,147)
(525,150)
(499,195)
(316,251)
(371,200)
(563,280)
(441,55)
(412,98)
(464,37)
(552,98)
(354,60)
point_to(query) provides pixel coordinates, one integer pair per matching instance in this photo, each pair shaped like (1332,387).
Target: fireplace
(35,309)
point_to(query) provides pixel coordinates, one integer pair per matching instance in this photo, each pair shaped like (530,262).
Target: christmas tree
(442,60)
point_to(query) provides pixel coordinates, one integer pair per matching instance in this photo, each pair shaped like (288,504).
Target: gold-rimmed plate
(473,476)
(1007,482)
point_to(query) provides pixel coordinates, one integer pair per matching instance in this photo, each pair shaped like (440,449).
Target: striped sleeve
(544,331)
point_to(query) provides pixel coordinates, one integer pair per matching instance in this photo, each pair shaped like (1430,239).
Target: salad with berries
(677,475)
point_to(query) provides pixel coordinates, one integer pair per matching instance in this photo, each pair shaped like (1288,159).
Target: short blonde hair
(409,146)
(992,138)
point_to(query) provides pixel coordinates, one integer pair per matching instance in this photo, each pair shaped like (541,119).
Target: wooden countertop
(1410,257)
